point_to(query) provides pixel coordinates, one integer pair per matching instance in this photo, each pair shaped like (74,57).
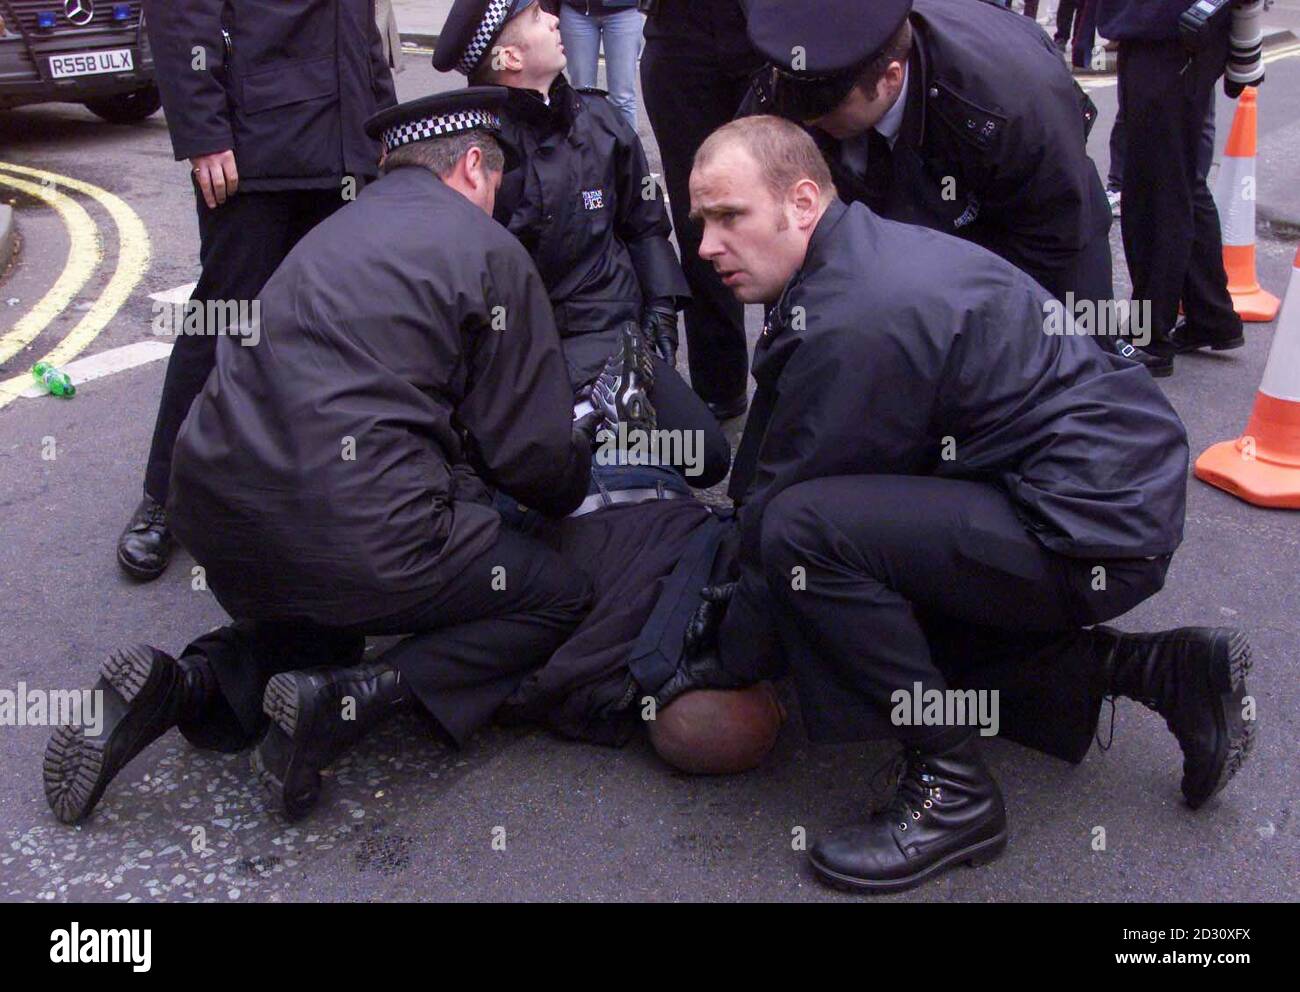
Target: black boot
(947,809)
(145,547)
(1194,677)
(142,693)
(316,716)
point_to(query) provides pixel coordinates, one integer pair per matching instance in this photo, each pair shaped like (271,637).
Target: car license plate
(91,63)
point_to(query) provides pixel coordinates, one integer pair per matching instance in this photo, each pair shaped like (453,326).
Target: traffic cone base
(1251,301)
(1263,465)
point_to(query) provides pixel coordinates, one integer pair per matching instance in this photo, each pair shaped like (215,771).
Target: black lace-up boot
(145,547)
(315,717)
(1194,677)
(947,809)
(141,694)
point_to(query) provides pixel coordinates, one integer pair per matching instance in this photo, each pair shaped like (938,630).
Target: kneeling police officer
(335,480)
(932,488)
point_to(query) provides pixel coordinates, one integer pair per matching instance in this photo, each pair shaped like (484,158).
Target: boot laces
(918,790)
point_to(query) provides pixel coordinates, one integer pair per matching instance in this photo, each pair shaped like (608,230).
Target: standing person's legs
(1064,22)
(241,243)
(581,35)
(1031,9)
(1115,175)
(1161,129)
(1085,34)
(622,37)
(688,94)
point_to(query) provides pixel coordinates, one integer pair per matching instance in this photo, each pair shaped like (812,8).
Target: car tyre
(127,108)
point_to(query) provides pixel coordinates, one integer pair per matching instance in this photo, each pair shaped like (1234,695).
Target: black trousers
(241,243)
(1170,225)
(691,87)
(934,581)
(469,646)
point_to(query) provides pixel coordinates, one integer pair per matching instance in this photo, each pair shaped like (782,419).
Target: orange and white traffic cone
(1234,195)
(1263,465)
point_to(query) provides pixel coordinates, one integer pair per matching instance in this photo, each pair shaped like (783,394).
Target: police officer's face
(534,35)
(861,110)
(754,240)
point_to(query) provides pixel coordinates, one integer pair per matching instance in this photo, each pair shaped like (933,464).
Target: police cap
(469,31)
(468,109)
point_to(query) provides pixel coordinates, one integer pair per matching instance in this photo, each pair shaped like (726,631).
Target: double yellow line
(84,255)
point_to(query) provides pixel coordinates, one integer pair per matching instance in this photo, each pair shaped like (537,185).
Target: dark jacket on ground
(890,363)
(334,472)
(578,202)
(288,94)
(991,107)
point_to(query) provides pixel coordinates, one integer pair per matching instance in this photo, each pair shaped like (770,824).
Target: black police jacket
(337,469)
(583,202)
(286,84)
(993,142)
(892,338)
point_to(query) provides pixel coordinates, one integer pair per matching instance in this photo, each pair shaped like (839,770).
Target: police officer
(581,198)
(695,71)
(1172,239)
(929,485)
(334,479)
(951,114)
(267,104)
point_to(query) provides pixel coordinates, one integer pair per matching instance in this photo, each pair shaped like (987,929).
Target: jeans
(621,32)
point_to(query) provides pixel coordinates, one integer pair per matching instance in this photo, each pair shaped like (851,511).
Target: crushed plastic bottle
(53,379)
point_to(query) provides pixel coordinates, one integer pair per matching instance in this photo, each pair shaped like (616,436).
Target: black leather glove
(704,671)
(701,635)
(659,327)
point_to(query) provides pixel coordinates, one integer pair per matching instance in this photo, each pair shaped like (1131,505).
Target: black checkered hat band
(435,127)
(493,18)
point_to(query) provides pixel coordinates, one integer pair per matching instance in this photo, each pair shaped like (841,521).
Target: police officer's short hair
(440,155)
(784,151)
(897,49)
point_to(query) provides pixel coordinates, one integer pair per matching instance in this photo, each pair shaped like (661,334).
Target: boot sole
(281,702)
(138,573)
(75,769)
(975,856)
(1226,678)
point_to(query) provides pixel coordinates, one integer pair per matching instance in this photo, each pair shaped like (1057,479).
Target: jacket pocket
(293,82)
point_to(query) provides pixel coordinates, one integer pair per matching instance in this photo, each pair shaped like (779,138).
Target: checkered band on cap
(495,15)
(435,127)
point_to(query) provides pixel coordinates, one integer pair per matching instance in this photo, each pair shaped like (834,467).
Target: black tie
(880,164)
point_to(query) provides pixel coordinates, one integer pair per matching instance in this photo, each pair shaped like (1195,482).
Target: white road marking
(176,295)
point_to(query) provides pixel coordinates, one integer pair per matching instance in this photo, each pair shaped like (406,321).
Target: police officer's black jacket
(993,142)
(583,203)
(289,92)
(892,338)
(335,470)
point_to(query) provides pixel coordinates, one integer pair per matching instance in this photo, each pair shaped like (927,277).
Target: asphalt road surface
(405,818)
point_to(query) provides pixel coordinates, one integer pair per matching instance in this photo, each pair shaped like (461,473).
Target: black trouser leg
(472,643)
(688,95)
(480,636)
(241,243)
(1170,225)
(243,656)
(887,560)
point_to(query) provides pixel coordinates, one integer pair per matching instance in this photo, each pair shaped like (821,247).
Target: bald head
(759,186)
